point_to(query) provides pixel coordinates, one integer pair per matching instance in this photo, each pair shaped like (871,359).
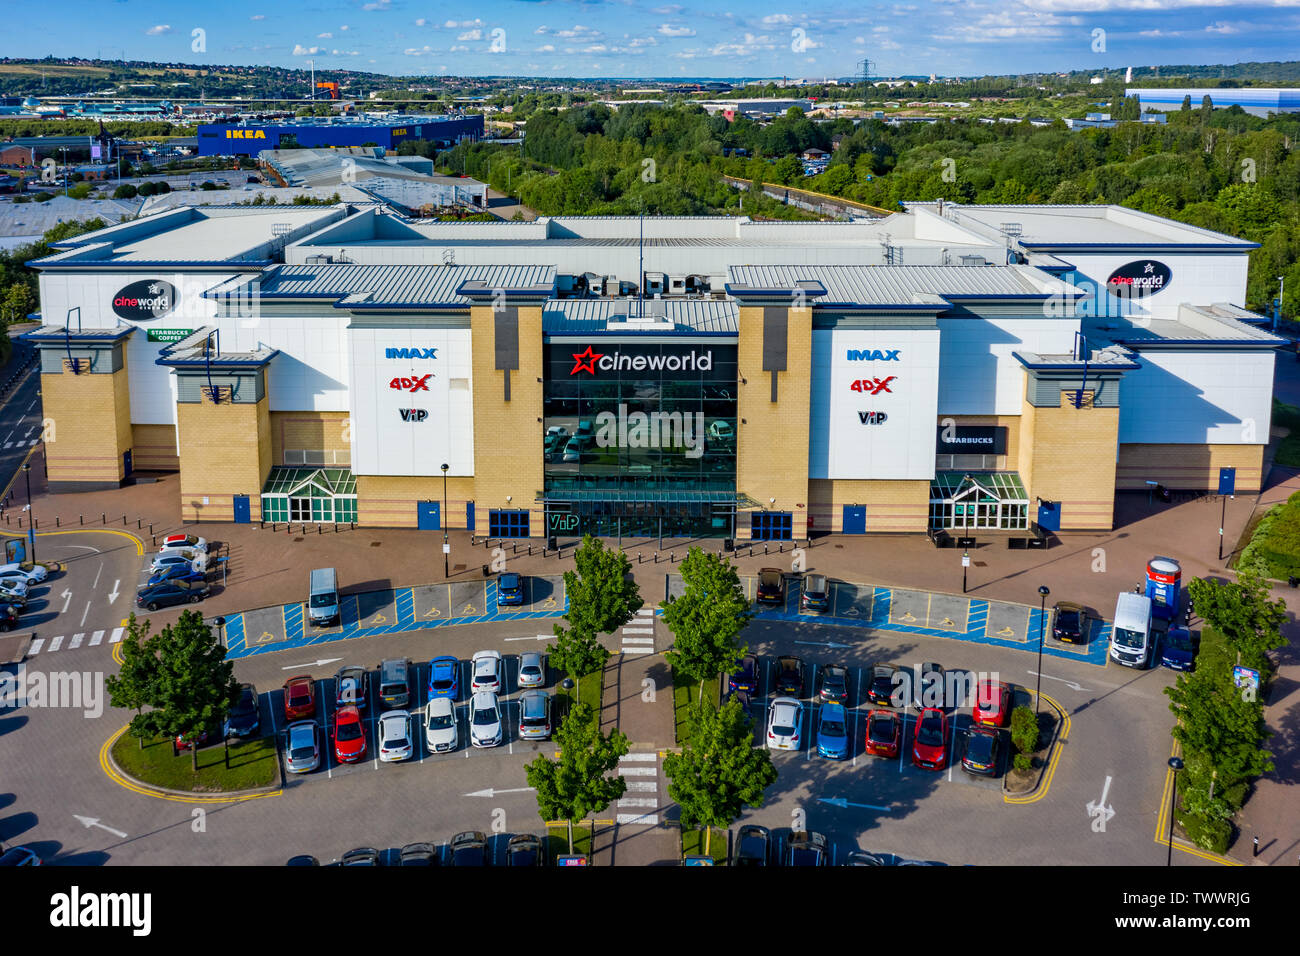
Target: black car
(302,859)
(981,754)
(815,593)
(833,684)
(8,617)
(863,858)
(880,685)
(362,856)
(789,676)
(524,849)
(1069,622)
(928,686)
(469,849)
(152,597)
(771,586)
(753,846)
(245,717)
(418,854)
(745,679)
(805,849)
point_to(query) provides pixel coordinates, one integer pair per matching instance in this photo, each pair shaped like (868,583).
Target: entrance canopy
(965,500)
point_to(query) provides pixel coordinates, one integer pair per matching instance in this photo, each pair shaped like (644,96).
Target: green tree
(125,191)
(719,771)
(602,598)
(707,617)
(131,688)
(1243,613)
(575,785)
(788,169)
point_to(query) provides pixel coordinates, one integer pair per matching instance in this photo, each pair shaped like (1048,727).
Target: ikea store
(947,368)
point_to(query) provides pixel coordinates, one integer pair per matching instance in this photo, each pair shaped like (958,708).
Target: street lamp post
(1042,614)
(1175,764)
(446,546)
(31,515)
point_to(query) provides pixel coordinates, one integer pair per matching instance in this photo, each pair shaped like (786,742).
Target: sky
(647,38)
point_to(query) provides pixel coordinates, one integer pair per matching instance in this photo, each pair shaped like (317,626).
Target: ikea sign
(874,355)
(245,134)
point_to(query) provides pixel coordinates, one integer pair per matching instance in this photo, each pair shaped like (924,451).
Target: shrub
(1024,730)
(1212,835)
(1275,543)
(146,189)
(125,191)
(42,197)
(1022,762)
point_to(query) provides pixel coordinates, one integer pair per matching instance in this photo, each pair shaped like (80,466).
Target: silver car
(440,730)
(532,669)
(170,559)
(783,723)
(484,719)
(395,732)
(302,747)
(535,715)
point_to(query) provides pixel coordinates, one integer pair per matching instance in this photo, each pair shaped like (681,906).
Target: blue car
(174,572)
(832,732)
(1178,650)
(510,590)
(444,678)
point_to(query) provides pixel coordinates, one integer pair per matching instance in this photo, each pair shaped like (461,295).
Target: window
(508,524)
(771,525)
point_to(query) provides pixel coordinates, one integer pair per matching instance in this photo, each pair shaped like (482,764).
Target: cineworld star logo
(872,386)
(586,361)
(412,384)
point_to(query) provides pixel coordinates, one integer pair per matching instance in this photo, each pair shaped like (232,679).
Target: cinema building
(965,368)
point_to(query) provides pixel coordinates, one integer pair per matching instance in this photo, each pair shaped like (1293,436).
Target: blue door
(469,515)
(855,519)
(242,513)
(428,515)
(126,463)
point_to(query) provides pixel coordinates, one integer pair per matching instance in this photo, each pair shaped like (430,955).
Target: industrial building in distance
(1256,100)
(250,139)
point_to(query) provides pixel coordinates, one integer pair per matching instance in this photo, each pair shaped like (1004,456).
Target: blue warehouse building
(224,139)
(1256,100)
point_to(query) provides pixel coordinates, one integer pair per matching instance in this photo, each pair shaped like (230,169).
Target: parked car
(884,733)
(361,856)
(928,686)
(1069,622)
(299,697)
(992,704)
(1178,649)
(14,592)
(440,731)
(484,720)
(349,735)
(789,676)
(183,542)
(771,586)
(535,715)
(510,590)
(418,854)
(302,859)
(930,739)
(815,594)
(746,678)
(181,571)
(833,684)
(302,747)
(444,678)
(171,559)
(864,858)
(524,849)
(981,752)
(184,741)
(33,575)
(784,719)
(352,687)
(486,671)
(19,856)
(394,687)
(832,732)
(468,849)
(396,736)
(881,683)
(8,617)
(532,669)
(152,597)
(753,846)
(805,849)
(245,718)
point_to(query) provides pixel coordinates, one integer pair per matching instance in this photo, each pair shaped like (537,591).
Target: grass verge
(693,845)
(586,690)
(253,763)
(557,840)
(685,692)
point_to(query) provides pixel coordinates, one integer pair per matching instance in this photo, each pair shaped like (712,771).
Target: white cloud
(418,51)
(668,30)
(595,48)
(1221,26)
(470,35)
(300,50)
(461,24)
(643,41)
(258,16)
(750,45)
(345,28)
(460,49)
(324,36)
(859,41)
(670,10)
(344,53)
(421,22)
(1147,6)
(377,5)
(775,19)
(546,49)
(577,32)
(159,30)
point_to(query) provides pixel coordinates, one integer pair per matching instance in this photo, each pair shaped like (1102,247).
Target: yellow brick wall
(1189,467)
(311,431)
(891,505)
(90,425)
(225,451)
(772,451)
(1011,460)
(154,448)
(390,501)
(1073,455)
(508,435)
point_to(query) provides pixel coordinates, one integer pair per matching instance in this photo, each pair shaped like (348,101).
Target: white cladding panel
(1215,398)
(1197,278)
(385,444)
(841,444)
(311,371)
(979,375)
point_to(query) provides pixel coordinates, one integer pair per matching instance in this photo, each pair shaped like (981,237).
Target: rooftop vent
(974,261)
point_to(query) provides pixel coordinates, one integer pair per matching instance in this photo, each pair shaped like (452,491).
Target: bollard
(638,557)
(139,523)
(103,518)
(56,521)
(123,521)
(530,550)
(151,527)
(83,518)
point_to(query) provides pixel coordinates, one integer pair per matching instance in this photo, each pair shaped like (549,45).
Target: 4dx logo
(872,386)
(412,384)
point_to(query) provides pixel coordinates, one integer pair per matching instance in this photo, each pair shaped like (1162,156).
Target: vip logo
(413,414)
(872,418)
(586,361)
(412,384)
(872,386)
(874,355)
(411,353)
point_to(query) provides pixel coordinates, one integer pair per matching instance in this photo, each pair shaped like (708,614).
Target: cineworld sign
(591,361)
(1136,279)
(145,300)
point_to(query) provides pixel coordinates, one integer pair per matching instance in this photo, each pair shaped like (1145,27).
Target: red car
(299,698)
(992,704)
(349,735)
(884,733)
(930,740)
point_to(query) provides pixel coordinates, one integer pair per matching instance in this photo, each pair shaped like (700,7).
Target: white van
(323,600)
(1130,637)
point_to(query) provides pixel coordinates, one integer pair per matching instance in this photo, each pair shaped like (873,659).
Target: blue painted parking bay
(390,611)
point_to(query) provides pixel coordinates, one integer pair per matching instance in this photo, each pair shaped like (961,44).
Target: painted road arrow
(1099,811)
(489,792)
(112,595)
(539,637)
(845,804)
(320,663)
(89,822)
(822,644)
(1068,683)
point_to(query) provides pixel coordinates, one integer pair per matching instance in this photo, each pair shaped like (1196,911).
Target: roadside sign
(446,549)
(965,560)
(1245,678)
(1227,481)
(571,861)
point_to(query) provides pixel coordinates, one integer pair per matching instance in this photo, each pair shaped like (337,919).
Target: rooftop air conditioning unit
(974,261)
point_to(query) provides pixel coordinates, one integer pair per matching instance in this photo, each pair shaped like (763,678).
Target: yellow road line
(16,471)
(117,654)
(139,545)
(1162,822)
(147,791)
(1045,783)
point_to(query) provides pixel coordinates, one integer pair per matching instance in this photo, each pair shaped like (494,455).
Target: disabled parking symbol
(432,612)
(549,604)
(1006,632)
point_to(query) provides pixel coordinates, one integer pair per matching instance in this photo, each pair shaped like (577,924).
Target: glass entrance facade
(320,495)
(970,501)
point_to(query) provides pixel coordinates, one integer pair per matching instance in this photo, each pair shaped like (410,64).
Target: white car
(167,559)
(783,722)
(35,575)
(395,734)
(487,672)
(440,730)
(13,591)
(484,720)
(532,669)
(183,542)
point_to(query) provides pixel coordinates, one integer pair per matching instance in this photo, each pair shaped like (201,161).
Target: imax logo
(874,355)
(411,353)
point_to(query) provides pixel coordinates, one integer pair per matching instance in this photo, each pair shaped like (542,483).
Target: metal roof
(903,285)
(1217,324)
(582,316)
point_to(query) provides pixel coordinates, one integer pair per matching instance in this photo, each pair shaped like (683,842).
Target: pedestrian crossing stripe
(633,758)
(638,630)
(638,640)
(645,612)
(648,819)
(638,802)
(96,638)
(56,643)
(76,640)
(118,634)
(36,646)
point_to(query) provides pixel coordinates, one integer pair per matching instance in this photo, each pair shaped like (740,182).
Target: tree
(125,191)
(1187,104)
(602,598)
(719,770)
(707,617)
(1242,612)
(131,688)
(575,784)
